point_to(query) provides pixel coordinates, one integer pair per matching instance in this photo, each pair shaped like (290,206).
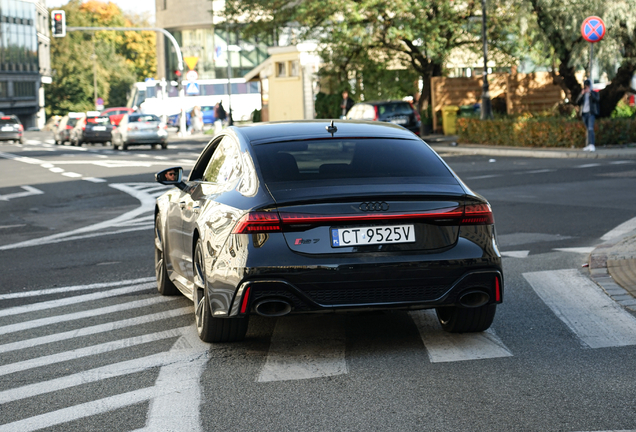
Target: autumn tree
(119,58)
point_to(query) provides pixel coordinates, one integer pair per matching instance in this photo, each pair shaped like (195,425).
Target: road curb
(600,274)
(474,149)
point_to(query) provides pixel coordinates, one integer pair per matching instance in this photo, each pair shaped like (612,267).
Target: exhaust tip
(272,308)
(474,299)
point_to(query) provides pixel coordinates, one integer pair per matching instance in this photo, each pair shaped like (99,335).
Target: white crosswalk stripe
(577,301)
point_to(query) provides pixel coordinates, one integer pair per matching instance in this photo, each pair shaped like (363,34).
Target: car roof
(260,133)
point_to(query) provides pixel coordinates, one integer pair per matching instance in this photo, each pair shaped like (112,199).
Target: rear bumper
(397,294)
(4,136)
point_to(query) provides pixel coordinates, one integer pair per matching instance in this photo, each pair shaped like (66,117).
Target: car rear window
(352,161)
(395,108)
(72,121)
(143,118)
(8,120)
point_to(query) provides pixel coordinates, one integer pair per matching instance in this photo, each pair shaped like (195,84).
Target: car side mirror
(171,177)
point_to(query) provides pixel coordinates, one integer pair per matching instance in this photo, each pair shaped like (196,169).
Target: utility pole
(486,104)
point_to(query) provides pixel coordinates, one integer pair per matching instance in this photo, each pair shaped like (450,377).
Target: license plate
(7,129)
(400,120)
(344,237)
(99,128)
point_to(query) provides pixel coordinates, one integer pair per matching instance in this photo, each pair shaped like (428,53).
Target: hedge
(544,131)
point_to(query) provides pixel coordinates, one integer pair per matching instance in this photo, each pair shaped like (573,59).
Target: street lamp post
(486,105)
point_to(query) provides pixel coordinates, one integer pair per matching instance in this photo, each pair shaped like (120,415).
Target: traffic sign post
(592,30)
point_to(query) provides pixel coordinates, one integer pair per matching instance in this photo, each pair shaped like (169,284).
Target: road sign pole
(589,73)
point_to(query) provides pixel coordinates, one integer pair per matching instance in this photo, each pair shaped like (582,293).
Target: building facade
(24,59)
(201,33)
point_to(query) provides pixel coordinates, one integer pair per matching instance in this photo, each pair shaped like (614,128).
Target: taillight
(377,113)
(21,128)
(416,112)
(69,127)
(258,222)
(478,214)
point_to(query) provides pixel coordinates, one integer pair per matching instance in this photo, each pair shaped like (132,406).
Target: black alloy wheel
(164,284)
(454,319)
(212,329)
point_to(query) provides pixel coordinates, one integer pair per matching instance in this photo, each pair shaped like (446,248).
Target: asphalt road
(86,341)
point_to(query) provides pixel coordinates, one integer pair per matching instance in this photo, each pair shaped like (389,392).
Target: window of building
(4,89)
(294,68)
(281,69)
(24,88)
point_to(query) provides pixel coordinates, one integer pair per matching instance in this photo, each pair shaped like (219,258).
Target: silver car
(137,129)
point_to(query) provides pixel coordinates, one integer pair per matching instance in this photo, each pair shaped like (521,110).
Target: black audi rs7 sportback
(313,216)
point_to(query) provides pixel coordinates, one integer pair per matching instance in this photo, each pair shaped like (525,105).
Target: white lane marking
(92,375)
(591,165)
(32,142)
(38,293)
(90,350)
(581,250)
(621,162)
(99,234)
(450,347)
(72,174)
(483,177)
(96,329)
(620,230)
(28,325)
(12,226)
(30,191)
(23,159)
(56,170)
(516,254)
(49,141)
(51,304)
(577,301)
(177,407)
(305,347)
(47,165)
(147,203)
(94,179)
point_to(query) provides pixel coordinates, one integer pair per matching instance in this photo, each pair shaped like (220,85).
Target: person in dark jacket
(346,103)
(588,100)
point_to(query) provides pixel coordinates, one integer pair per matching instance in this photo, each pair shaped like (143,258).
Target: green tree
(119,59)
(555,36)
(419,33)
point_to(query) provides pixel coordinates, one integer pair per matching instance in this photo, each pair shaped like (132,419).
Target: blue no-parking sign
(593,29)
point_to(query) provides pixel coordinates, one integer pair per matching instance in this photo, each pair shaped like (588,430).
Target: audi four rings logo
(374,206)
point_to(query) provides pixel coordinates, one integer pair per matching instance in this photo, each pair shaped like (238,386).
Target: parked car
(393,111)
(116,114)
(137,129)
(11,129)
(62,133)
(307,216)
(94,128)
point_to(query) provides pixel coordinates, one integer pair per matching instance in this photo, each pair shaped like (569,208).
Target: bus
(162,97)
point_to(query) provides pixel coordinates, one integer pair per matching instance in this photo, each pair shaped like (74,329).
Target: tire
(212,329)
(164,284)
(124,146)
(164,145)
(455,319)
(21,140)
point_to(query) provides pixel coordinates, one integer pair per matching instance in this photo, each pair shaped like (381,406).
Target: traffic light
(58,23)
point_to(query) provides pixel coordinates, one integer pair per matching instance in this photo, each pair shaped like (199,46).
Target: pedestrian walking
(219,117)
(346,103)
(196,120)
(588,100)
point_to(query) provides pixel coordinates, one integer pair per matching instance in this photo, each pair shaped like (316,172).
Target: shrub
(544,131)
(328,106)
